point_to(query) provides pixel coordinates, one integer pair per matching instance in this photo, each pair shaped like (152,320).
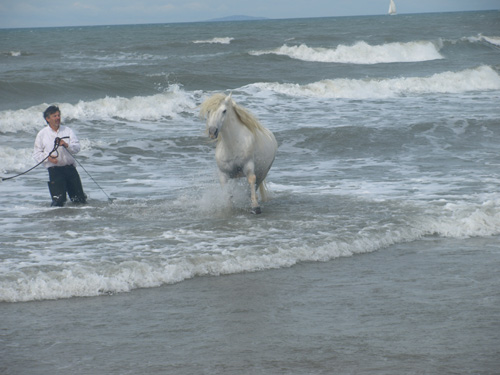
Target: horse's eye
(224,111)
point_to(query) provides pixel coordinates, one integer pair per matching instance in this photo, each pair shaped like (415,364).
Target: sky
(48,13)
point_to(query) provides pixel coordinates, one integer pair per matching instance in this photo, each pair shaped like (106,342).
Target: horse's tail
(263,191)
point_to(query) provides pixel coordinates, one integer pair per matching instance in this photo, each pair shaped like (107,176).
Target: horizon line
(228,19)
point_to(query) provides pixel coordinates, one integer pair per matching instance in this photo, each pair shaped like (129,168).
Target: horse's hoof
(256,210)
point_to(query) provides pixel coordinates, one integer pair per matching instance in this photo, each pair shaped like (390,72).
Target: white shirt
(44,144)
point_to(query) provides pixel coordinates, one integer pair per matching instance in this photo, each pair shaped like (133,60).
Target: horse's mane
(246,118)
(211,104)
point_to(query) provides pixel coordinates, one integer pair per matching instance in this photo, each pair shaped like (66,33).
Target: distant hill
(237,18)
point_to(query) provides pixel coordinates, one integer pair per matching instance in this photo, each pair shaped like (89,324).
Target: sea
(377,252)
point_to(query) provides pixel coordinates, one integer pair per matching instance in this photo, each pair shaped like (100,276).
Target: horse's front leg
(253,193)
(223,179)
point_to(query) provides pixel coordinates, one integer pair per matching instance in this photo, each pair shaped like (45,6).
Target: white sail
(392,7)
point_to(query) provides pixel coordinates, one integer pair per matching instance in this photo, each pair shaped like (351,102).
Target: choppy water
(380,240)
(388,132)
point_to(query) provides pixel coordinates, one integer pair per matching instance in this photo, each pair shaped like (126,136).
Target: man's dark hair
(50,110)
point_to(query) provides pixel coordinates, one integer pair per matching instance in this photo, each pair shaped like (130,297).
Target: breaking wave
(493,40)
(93,278)
(149,108)
(361,53)
(478,79)
(226,40)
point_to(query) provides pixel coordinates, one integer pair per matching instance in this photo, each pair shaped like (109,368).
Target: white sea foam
(478,79)
(29,120)
(226,40)
(11,53)
(155,107)
(113,60)
(15,159)
(361,53)
(209,255)
(137,108)
(495,40)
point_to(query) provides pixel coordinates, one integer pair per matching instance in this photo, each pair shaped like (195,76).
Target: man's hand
(53,159)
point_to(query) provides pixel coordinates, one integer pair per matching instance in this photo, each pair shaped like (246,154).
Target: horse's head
(215,110)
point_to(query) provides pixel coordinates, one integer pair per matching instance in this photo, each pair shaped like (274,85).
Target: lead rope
(56,146)
(92,178)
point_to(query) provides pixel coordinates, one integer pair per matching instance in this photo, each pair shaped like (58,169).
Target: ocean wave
(93,278)
(15,159)
(141,108)
(361,53)
(11,53)
(226,40)
(478,79)
(103,59)
(494,40)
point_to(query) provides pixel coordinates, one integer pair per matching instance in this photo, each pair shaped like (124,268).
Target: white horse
(244,146)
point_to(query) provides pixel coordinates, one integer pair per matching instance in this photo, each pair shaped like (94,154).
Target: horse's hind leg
(253,194)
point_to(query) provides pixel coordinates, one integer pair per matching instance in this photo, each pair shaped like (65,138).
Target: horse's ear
(229,99)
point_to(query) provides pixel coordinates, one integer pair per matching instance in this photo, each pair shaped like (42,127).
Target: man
(56,144)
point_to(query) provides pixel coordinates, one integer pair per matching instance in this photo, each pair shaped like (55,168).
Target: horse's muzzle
(213,133)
